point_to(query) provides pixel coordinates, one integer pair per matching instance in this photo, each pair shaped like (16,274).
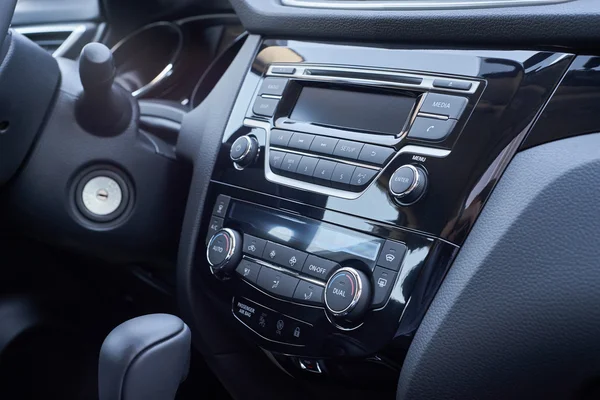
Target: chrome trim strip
(416,4)
(167,71)
(311,187)
(378,77)
(77,31)
(434,116)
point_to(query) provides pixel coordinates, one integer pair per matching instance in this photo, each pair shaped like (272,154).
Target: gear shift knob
(105,107)
(145,358)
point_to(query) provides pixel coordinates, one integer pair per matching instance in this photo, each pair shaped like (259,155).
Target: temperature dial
(348,294)
(224,251)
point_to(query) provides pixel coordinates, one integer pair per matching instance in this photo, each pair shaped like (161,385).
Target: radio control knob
(244,150)
(348,294)
(408,184)
(224,251)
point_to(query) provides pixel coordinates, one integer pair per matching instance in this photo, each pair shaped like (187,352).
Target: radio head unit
(333,130)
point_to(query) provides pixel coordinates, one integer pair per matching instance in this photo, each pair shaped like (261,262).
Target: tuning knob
(224,251)
(407,184)
(348,295)
(244,151)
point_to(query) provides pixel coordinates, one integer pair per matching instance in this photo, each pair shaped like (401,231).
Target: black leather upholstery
(145,358)
(518,314)
(7,8)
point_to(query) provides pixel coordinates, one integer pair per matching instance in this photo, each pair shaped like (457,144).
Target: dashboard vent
(56,39)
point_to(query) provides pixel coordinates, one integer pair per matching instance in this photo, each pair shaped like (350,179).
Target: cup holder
(147,58)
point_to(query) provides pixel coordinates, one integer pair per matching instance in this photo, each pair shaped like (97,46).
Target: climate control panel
(295,281)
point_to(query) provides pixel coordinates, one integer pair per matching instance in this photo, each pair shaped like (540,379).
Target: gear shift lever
(145,358)
(105,107)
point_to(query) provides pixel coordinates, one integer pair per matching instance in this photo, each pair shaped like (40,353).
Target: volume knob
(407,184)
(243,151)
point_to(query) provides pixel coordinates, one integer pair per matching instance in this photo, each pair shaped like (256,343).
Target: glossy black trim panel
(517,85)
(379,328)
(573,108)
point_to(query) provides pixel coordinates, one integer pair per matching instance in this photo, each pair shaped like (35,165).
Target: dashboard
(389,199)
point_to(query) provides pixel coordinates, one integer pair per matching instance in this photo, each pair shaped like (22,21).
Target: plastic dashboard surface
(570,23)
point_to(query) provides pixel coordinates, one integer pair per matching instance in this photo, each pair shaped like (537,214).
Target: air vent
(56,39)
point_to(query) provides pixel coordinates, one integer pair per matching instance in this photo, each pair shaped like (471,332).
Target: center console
(346,181)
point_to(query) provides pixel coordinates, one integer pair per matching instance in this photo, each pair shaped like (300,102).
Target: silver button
(102,195)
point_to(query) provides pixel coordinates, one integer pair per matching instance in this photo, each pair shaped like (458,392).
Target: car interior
(299,199)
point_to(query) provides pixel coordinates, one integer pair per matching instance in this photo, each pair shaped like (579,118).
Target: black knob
(96,68)
(244,151)
(407,184)
(348,295)
(224,251)
(105,108)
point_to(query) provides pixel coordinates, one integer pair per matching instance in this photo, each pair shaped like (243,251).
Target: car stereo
(332,130)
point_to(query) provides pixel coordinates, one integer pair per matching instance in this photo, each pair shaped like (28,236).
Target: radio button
(283,70)
(275,159)
(342,175)
(290,163)
(323,145)
(265,107)
(301,141)
(284,256)
(443,104)
(384,280)
(361,178)
(348,149)
(309,293)
(452,84)
(431,128)
(375,154)
(307,167)
(277,282)
(323,171)
(248,270)
(318,267)
(273,86)
(391,255)
(280,138)
(254,246)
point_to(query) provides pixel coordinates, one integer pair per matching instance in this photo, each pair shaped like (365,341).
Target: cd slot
(404,79)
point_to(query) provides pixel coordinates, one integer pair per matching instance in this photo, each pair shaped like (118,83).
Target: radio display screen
(362,111)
